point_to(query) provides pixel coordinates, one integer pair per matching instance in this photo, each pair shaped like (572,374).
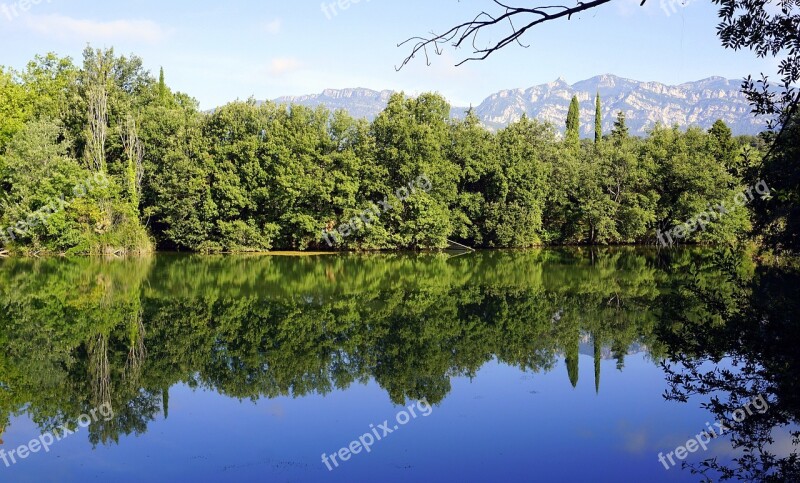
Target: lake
(546,365)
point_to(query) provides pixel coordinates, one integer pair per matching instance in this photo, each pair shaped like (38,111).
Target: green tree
(514,208)
(573,135)
(689,182)
(598,120)
(628,179)
(726,148)
(410,139)
(14,109)
(475,151)
(620,131)
(777,216)
(63,205)
(162,85)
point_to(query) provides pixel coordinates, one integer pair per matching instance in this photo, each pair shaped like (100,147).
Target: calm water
(500,366)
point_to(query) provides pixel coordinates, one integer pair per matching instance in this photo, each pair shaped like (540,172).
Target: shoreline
(303,254)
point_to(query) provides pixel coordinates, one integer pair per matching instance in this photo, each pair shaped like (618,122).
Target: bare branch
(468,31)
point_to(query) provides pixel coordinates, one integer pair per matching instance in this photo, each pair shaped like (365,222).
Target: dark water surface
(494,366)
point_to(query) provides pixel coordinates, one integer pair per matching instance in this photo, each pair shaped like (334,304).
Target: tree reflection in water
(749,323)
(79,333)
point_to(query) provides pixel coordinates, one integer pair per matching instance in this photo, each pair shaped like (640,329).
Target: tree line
(255,176)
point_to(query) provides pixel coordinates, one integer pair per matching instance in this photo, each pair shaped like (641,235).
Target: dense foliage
(256,177)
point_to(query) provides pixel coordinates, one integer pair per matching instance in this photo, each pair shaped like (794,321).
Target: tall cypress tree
(598,120)
(574,122)
(162,85)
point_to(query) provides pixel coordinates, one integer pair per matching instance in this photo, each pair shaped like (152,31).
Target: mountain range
(698,103)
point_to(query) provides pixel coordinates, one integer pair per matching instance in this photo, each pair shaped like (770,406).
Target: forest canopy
(105,157)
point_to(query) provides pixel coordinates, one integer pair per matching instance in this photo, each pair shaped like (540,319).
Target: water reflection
(748,320)
(81,333)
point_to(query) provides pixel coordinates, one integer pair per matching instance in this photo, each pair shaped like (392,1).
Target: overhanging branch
(468,31)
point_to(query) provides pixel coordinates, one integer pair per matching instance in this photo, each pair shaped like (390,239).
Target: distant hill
(697,103)
(358,102)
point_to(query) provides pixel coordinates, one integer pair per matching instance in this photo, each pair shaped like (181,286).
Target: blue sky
(221,51)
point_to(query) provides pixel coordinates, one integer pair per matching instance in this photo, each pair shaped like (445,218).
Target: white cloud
(284,65)
(274,27)
(85,30)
